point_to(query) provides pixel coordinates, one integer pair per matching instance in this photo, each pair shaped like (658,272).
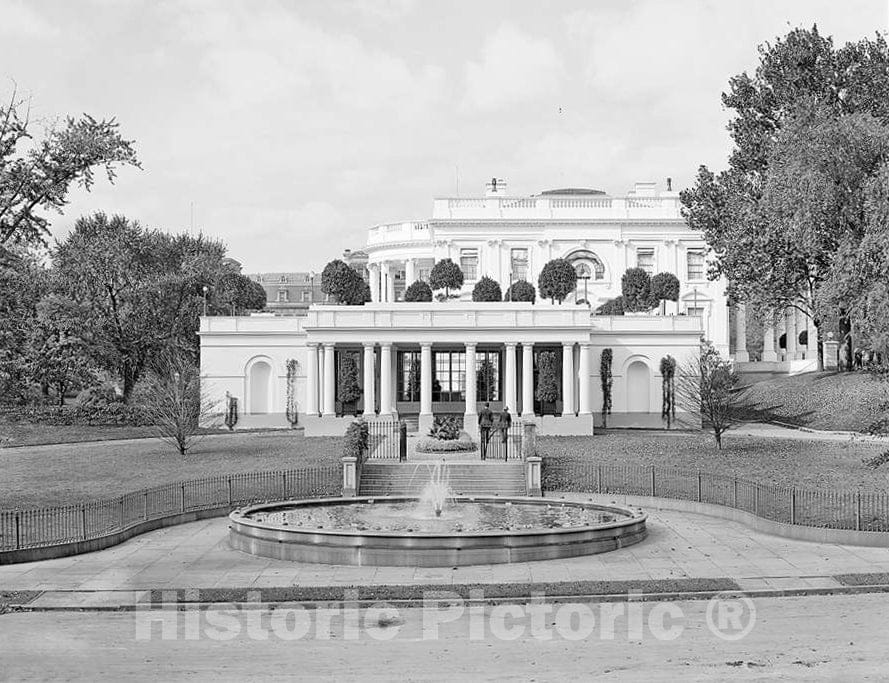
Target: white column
(469,410)
(329,378)
(812,339)
(741,354)
(410,275)
(374,271)
(768,340)
(790,326)
(567,379)
(425,379)
(390,283)
(369,399)
(386,379)
(320,350)
(585,407)
(510,377)
(527,380)
(312,379)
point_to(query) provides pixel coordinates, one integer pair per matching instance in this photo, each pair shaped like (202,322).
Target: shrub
(446,275)
(431,445)
(110,415)
(668,389)
(446,427)
(342,282)
(347,379)
(418,291)
(636,290)
(486,289)
(97,396)
(607,381)
(547,377)
(522,290)
(613,306)
(557,279)
(356,439)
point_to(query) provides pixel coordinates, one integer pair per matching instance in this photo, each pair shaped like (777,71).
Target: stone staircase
(467,479)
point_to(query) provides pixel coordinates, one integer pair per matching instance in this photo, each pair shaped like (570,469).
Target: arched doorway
(638,387)
(260,380)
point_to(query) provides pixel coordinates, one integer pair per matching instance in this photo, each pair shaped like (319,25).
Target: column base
(769,356)
(742,357)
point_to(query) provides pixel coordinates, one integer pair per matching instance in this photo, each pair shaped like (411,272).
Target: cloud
(21,21)
(515,67)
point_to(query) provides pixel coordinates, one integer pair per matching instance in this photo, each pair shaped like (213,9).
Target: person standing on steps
(505,424)
(485,422)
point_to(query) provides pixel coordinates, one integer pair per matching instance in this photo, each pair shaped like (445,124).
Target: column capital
(510,343)
(425,345)
(472,344)
(387,344)
(329,345)
(568,344)
(312,344)
(368,345)
(585,344)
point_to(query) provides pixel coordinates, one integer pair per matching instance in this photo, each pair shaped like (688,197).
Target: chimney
(495,186)
(669,184)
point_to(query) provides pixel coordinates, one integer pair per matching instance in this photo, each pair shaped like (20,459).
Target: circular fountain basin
(397,531)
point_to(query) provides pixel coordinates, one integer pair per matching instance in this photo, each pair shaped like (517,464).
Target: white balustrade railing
(578,208)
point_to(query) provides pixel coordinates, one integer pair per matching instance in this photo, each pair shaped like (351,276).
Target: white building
(412,359)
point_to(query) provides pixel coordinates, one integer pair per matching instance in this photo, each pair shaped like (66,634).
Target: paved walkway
(680,545)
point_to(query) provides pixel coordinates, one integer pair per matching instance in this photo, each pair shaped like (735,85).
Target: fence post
(735,493)
(120,513)
(283,484)
(182,498)
(652,482)
(229,490)
(858,510)
(18,532)
(145,506)
(756,499)
(82,522)
(793,505)
(598,478)
(700,488)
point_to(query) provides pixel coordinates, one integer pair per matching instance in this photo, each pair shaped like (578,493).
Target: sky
(287,129)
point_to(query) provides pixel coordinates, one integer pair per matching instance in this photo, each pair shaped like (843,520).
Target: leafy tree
(418,291)
(23,282)
(636,290)
(446,275)
(175,402)
(607,381)
(668,389)
(348,388)
(35,175)
(521,290)
(806,105)
(486,289)
(665,287)
(710,386)
(557,279)
(613,306)
(547,377)
(235,293)
(344,284)
(486,381)
(59,348)
(141,289)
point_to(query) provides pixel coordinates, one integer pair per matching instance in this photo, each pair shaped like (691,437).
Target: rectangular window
(449,380)
(409,376)
(645,260)
(487,371)
(469,264)
(283,295)
(306,295)
(697,312)
(696,264)
(518,259)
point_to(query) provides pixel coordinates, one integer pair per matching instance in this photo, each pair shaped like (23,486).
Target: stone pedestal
(532,476)
(831,347)
(350,477)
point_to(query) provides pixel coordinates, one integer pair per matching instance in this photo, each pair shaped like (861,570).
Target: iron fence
(41,527)
(503,447)
(383,439)
(852,510)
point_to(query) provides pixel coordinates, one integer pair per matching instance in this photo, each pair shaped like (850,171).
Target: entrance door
(260,378)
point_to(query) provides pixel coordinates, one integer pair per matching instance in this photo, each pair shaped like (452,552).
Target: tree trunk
(846,339)
(819,353)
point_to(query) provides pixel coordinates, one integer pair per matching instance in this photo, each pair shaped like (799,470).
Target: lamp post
(312,294)
(205,289)
(583,273)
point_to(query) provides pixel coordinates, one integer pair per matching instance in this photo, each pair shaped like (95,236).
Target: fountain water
(436,492)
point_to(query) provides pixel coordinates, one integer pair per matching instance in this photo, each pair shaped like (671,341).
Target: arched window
(587,263)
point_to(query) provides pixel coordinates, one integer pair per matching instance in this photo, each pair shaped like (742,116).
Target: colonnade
(321,379)
(791,323)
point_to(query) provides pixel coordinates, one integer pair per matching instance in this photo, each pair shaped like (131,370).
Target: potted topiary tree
(486,289)
(664,287)
(485,381)
(344,284)
(418,291)
(606,379)
(668,389)
(291,409)
(557,279)
(446,275)
(522,290)
(348,388)
(636,290)
(547,392)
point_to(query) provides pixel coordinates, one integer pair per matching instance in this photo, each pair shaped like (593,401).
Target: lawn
(71,473)
(78,472)
(845,401)
(784,462)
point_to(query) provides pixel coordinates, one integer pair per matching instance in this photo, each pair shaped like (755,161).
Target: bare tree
(710,386)
(178,405)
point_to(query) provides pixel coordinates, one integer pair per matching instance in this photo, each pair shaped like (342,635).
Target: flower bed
(431,445)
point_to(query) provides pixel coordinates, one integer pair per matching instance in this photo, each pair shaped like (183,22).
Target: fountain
(437,529)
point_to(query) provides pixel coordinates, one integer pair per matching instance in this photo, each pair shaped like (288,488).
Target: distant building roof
(574,190)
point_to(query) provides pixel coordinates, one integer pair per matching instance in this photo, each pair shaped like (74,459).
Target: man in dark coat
(504,425)
(485,422)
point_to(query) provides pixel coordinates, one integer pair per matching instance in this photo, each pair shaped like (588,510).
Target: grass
(61,474)
(846,401)
(810,464)
(27,434)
